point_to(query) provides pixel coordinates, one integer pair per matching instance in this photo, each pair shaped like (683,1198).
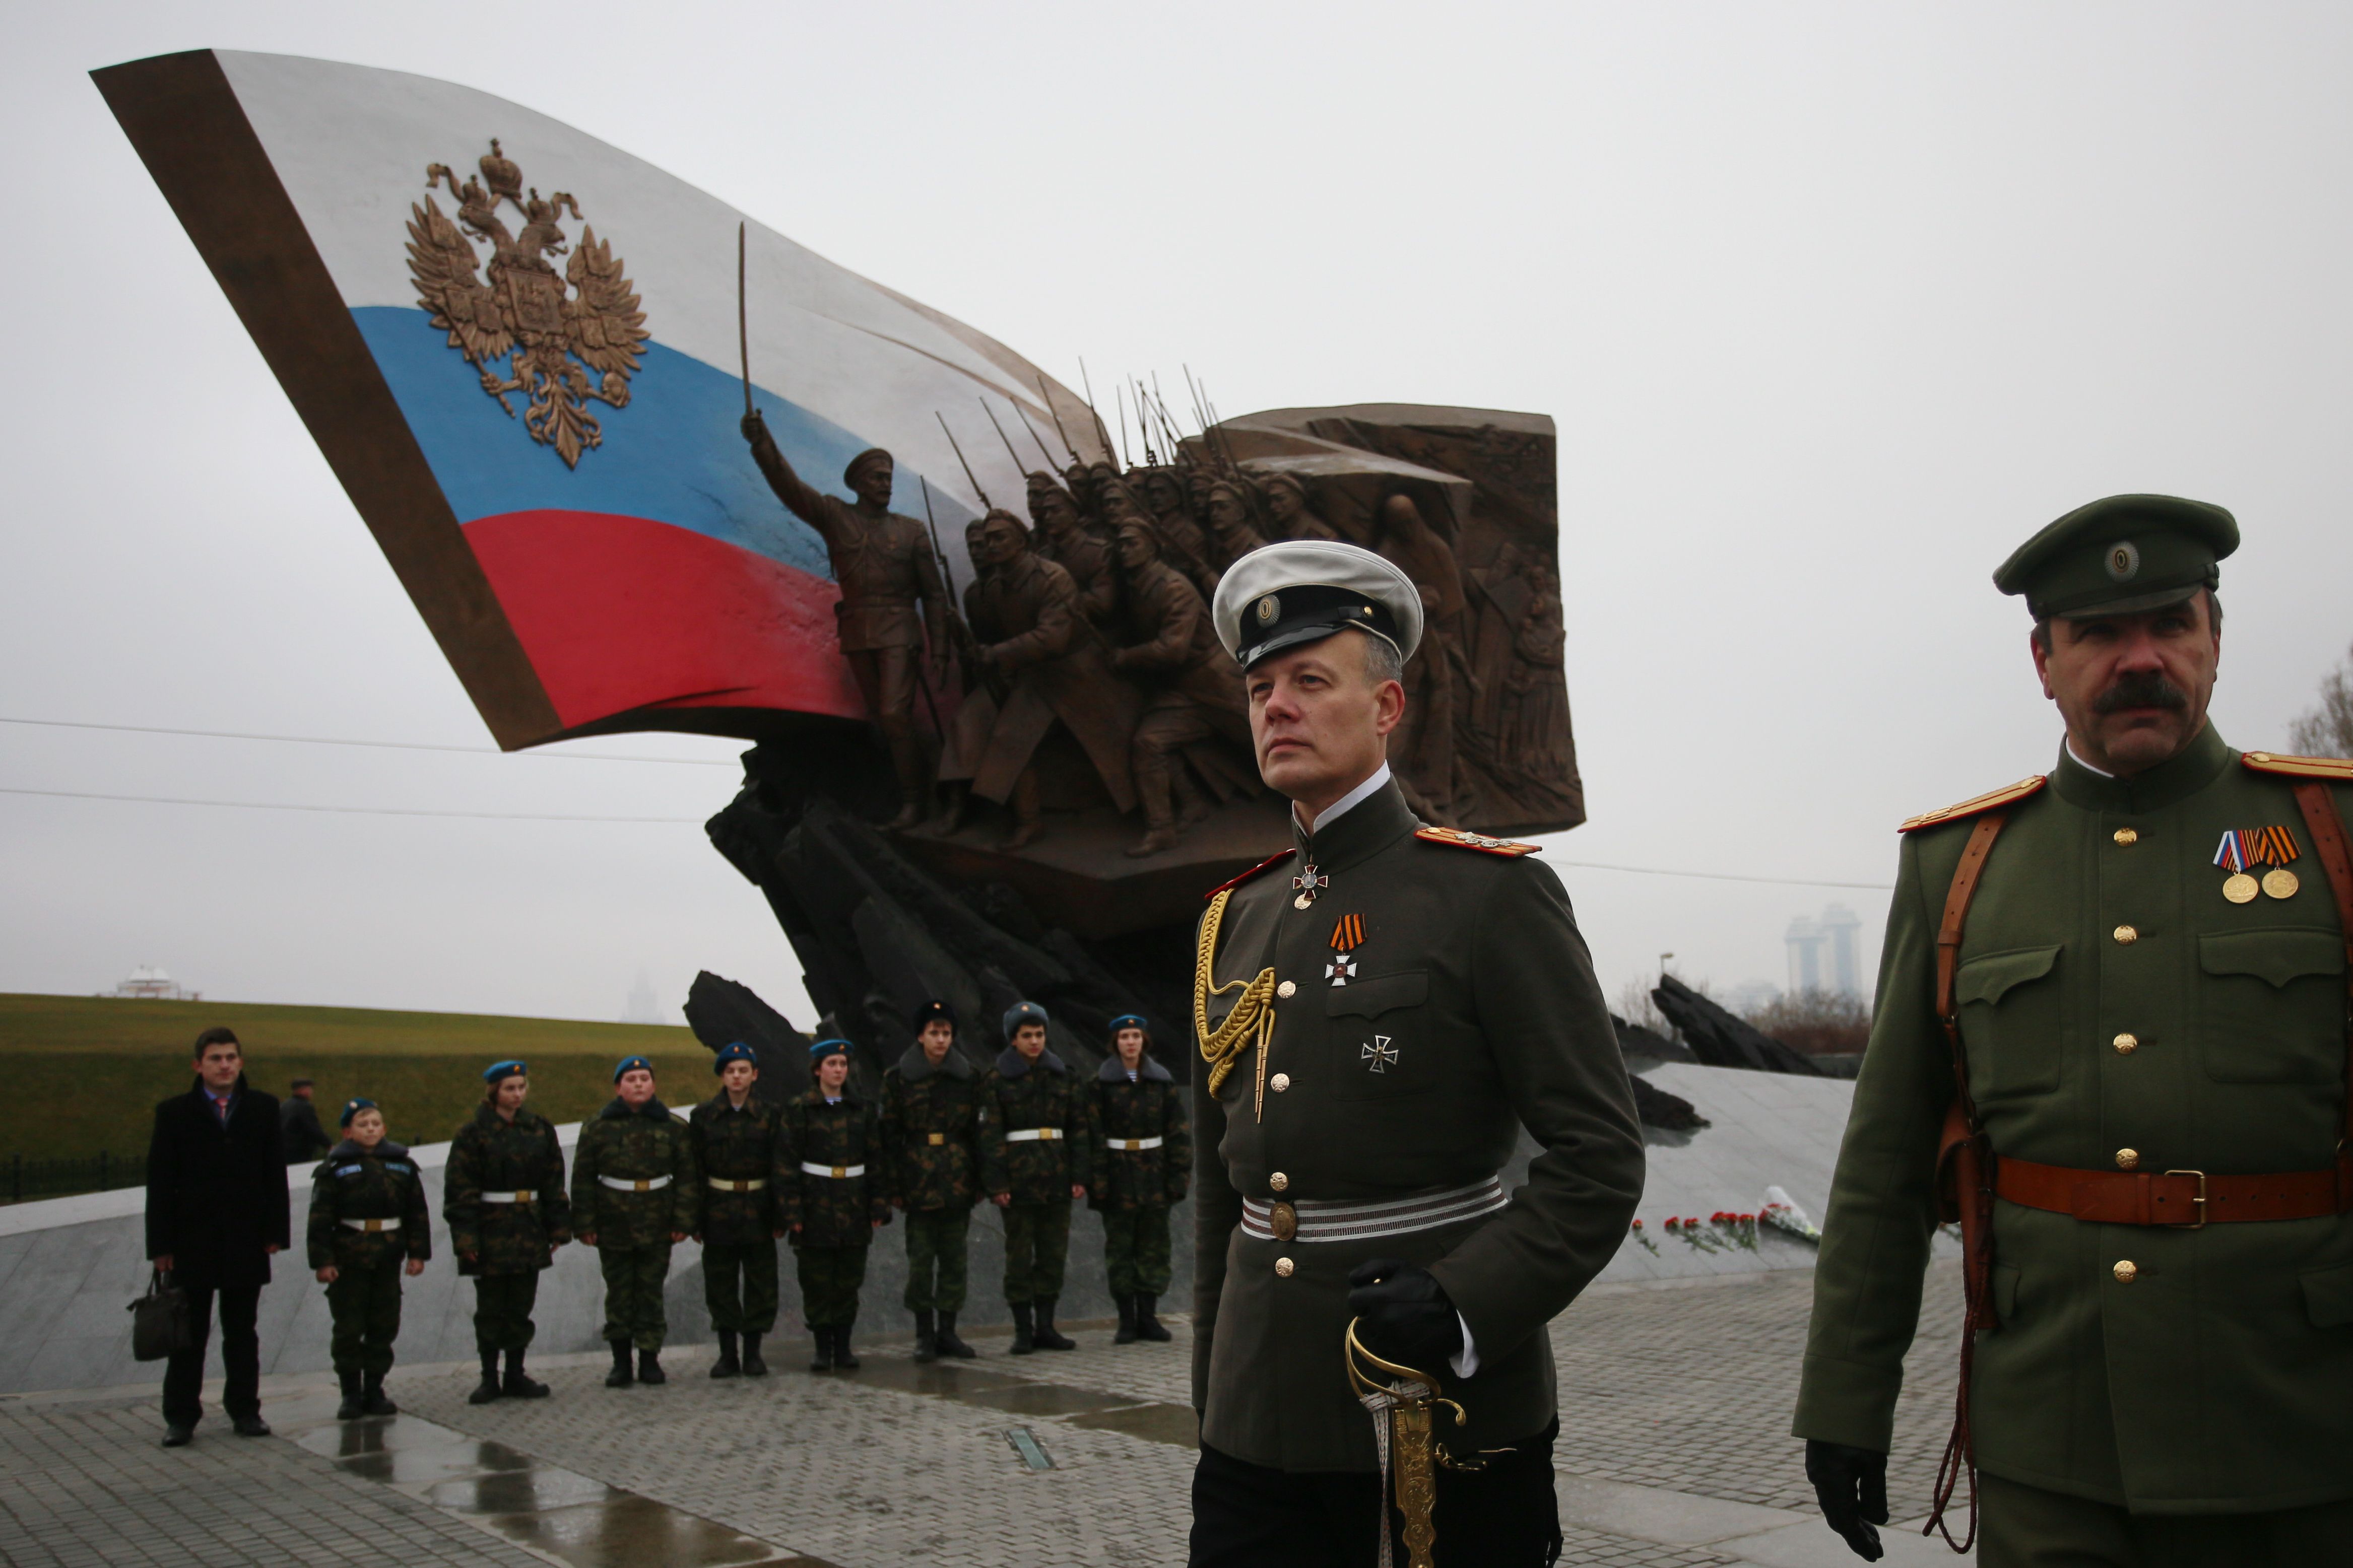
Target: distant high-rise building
(1822,953)
(645,1007)
(1839,925)
(1805,940)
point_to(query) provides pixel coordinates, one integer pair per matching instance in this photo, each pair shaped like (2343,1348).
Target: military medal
(1346,937)
(1309,884)
(2243,847)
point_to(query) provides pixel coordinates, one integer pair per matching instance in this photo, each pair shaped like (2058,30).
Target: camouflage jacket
(939,1133)
(733,1145)
(491,1154)
(1120,1112)
(1040,1096)
(832,1211)
(634,1147)
(379,1183)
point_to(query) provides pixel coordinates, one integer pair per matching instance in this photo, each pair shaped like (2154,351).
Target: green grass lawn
(84,1072)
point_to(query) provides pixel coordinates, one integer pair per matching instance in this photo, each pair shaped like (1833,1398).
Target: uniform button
(1279,1181)
(2127,837)
(1278,1082)
(2125,1272)
(2128,1158)
(1283,1266)
(2126,1044)
(1287,990)
(2126,936)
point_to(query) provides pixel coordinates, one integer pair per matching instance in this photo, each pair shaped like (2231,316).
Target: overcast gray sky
(1834,305)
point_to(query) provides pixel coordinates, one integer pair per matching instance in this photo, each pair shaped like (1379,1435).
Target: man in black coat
(216,1210)
(298,1126)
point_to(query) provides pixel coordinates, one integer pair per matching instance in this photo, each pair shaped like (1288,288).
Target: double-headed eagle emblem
(521,311)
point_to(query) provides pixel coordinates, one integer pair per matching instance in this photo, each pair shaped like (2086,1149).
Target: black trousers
(1248,1516)
(183,1375)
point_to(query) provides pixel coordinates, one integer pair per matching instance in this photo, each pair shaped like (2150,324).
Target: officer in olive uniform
(503,1197)
(1379,1013)
(941,1149)
(368,1223)
(1046,1163)
(831,1198)
(735,1138)
(1142,1163)
(634,1190)
(2142,959)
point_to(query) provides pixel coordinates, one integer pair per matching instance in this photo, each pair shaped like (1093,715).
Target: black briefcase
(159,1320)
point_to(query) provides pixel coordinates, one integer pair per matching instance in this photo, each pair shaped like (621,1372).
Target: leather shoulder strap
(2329,845)
(1948,943)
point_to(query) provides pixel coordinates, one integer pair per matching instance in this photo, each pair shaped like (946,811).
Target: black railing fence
(61,1178)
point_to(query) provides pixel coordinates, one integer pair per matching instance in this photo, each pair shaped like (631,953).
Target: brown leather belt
(2184,1198)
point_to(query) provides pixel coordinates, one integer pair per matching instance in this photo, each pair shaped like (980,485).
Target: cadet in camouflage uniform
(2141,961)
(503,1197)
(634,1188)
(735,1147)
(941,1147)
(368,1220)
(1043,1128)
(831,1198)
(1142,1163)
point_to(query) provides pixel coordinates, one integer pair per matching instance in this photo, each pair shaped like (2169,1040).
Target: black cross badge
(1382,1055)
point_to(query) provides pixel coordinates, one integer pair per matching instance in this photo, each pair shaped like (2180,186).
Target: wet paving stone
(533,1490)
(1174,1425)
(630,1532)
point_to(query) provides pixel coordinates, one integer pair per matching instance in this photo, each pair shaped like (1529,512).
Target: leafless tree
(1816,1022)
(2328,730)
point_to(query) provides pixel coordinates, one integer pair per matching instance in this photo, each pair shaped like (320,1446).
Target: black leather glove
(1406,1317)
(1851,1485)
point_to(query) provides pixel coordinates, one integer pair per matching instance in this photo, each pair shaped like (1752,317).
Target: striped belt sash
(839,1173)
(643,1184)
(1330,1220)
(370,1226)
(721,1185)
(509,1197)
(1032,1134)
(1132,1145)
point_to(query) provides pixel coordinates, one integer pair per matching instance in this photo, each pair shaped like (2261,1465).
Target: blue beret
(354,1107)
(824,1048)
(1022,1013)
(499,1071)
(735,1051)
(631,1064)
(1130,1021)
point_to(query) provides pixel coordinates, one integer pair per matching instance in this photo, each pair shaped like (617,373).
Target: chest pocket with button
(2011,1004)
(1380,1047)
(2270,1005)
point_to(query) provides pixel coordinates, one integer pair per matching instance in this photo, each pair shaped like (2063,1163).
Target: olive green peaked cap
(2120,554)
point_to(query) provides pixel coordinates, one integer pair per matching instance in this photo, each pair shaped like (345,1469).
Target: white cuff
(1466,1363)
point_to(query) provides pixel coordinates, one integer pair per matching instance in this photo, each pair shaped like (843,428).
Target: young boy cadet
(830,1196)
(939,1139)
(368,1223)
(735,1145)
(1143,1163)
(633,1197)
(502,1195)
(1045,1139)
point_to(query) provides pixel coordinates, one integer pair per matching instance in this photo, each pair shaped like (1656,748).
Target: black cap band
(1309,613)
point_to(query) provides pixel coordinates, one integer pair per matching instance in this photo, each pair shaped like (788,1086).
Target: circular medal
(2280,882)
(2240,888)
(1303,900)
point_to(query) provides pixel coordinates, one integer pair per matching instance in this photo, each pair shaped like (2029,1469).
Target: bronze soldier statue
(1289,512)
(1182,543)
(1198,688)
(885,567)
(1061,535)
(1424,746)
(1232,535)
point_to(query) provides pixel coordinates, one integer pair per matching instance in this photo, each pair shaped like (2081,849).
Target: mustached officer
(940,1141)
(1379,1012)
(834,1199)
(736,1148)
(634,1197)
(2115,995)
(1142,1163)
(1046,1165)
(368,1225)
(503,1197)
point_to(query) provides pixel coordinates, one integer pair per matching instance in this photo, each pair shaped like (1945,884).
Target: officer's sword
(1404,1411)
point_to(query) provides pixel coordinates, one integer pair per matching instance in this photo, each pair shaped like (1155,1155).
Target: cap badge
(1268,608)
(2243,847)
(2123,561)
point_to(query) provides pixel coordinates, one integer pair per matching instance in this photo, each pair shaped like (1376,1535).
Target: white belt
(1132,1145)
(648,1184)
(839,1173)
(508,1197)
(1316,1219)
(1032,1134)
(721,1184)
(370,1226)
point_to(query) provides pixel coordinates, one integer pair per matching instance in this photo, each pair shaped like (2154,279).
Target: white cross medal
(1379,1054)
(1341,970)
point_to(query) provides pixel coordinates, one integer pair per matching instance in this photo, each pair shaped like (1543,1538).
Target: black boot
(753,1365)
(521,1384)
(350,1409)
(649,1368)
(1126,1334)
(843,1356)
(949,1343)
(927,1338)
(1147,1327)
(1024,1342)
(623,1373)
(1051,1338)
(727,1365)
(373,1400)
(821,1358)
(488,1389)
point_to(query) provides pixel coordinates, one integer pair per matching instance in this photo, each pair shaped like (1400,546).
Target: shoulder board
(1977,805)
(1268,864)
(1479,841)
(2338,770)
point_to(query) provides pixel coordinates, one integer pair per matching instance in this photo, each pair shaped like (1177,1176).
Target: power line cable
(377,745)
